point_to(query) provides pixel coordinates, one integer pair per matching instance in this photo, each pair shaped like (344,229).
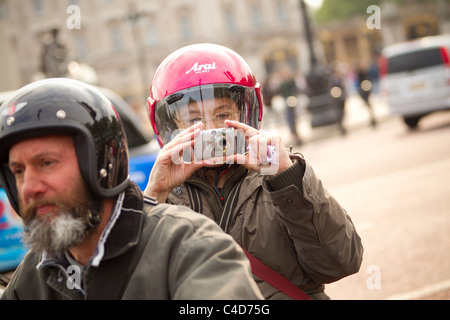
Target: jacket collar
(252,181)
(237,174)
(128,227)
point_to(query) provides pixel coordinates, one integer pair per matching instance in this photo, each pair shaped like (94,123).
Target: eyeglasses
(218,120)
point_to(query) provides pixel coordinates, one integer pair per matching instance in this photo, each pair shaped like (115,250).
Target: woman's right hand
(169,169)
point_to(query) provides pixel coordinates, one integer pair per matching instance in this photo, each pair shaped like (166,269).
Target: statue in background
(54,56)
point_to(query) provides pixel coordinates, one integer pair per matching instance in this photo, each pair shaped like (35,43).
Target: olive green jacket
(149,252)
(288,221)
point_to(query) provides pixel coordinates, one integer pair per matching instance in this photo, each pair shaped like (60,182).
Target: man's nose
(31,185)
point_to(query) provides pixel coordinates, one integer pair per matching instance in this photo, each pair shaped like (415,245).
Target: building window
(151,36)
(256,14)
(116,39)
(351,47)
(38,6)
(281,11)
(4,11)
(150,32)
(186,30)
(230,20)
(81,48)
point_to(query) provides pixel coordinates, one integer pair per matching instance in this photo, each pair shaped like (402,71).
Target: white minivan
(415,77)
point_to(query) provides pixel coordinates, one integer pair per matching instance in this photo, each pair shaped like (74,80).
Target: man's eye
(17,171)
(47,163)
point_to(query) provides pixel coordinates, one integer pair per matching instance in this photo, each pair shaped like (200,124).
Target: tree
(342,9)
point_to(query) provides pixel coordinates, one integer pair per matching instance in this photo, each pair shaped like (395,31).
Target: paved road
(395,185)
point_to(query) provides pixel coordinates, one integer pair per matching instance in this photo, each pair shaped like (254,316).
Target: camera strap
(275,279)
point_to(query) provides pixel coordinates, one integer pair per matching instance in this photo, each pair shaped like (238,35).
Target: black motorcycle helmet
(66,106)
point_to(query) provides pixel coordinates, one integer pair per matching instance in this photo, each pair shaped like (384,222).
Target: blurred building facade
(352,42)
(119,43)
(125,41)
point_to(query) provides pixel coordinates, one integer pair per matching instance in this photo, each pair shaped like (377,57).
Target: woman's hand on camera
(169,170)
(266,151)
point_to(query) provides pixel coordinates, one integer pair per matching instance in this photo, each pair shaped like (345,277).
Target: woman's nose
(208,125)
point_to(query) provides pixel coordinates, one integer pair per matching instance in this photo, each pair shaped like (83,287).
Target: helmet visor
(211,104)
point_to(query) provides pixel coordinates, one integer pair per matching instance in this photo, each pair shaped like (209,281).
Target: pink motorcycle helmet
(194,80)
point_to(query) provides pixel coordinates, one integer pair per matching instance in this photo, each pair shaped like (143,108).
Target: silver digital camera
(216,143)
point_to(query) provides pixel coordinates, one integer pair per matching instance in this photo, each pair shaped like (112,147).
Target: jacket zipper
(217,205)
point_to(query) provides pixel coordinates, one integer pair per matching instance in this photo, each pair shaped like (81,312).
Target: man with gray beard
(69,228)
(92,233)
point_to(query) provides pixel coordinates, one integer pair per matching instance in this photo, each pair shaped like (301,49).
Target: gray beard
(57,234)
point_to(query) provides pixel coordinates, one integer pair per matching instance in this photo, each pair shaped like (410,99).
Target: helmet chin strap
(96,206)
(94,219)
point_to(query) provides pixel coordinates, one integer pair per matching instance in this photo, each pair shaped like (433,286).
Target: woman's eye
(194,120)
(223,115)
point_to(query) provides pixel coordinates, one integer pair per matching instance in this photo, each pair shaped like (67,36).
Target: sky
(314,3)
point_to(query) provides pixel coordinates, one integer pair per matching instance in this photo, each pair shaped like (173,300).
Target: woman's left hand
(266,152)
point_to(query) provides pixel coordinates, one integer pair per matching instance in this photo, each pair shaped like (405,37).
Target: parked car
(415,77)
(143,150)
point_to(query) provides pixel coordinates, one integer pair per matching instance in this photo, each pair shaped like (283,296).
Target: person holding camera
(295,234)
(91,232)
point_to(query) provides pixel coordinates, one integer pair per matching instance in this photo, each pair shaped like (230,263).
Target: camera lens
(221,144)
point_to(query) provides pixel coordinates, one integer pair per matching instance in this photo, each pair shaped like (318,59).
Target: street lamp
(133,17)
(308,33)
(316,78)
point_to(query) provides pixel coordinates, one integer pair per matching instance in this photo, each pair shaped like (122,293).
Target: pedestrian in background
(365,85)
(289,91)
